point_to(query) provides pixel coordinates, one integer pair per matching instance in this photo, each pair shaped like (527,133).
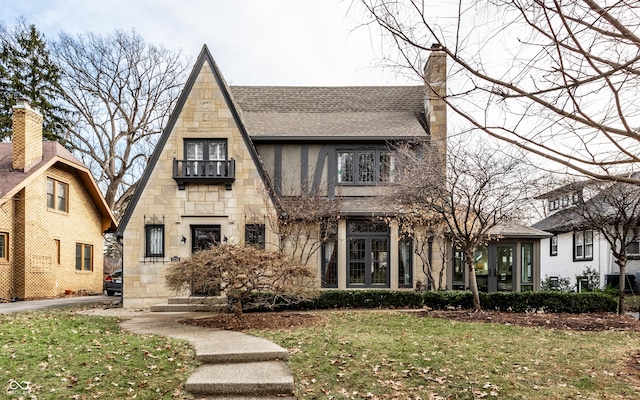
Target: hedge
(547,301)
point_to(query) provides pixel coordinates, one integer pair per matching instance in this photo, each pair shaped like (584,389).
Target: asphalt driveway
(28,305)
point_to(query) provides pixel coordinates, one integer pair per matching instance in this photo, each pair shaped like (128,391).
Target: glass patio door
(503,262)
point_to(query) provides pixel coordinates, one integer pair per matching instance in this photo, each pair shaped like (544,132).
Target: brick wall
(26,136)
(33,269)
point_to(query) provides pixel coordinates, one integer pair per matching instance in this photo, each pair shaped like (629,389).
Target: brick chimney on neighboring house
(435,77)
(26,136)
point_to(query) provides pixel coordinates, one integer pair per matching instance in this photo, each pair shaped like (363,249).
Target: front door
(204,236)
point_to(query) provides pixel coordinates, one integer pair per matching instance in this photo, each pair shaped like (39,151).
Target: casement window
(199,151)
(4,246)
(154,240)
(553,241)
(526,273)
(554,204)
(329,267)
(84,257)
(254,235)
(365,167)
(57,195)
(583,245)
(405,264)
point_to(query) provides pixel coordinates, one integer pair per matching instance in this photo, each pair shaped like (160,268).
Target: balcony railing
(204,171)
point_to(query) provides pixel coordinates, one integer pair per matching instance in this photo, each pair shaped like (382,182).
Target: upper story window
(365,166)
(57,195)
(554,204)
(205,150)
(575,198)
(583,245)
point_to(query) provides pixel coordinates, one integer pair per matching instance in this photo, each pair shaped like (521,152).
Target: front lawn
(383,355)
(56,354)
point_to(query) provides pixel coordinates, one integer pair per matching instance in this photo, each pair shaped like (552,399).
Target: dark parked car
(113,283)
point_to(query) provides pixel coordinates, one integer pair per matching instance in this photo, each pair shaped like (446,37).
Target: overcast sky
(254,42)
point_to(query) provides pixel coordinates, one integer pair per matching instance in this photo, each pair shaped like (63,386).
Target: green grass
(383,355)
(64,355)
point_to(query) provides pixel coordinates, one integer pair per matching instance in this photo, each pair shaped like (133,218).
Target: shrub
(548,301)
(240,272)
(556,283)
(591,276)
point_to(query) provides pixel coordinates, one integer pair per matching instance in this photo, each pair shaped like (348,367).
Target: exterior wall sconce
(225,239)
(183,240)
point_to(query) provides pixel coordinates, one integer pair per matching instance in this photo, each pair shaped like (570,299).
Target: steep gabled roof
(204,57)
(288,113)
(12,181)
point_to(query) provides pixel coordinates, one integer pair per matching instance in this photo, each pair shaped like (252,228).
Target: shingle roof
(10,178)
(562,221)
(514,230)
(12,181)
(369,111)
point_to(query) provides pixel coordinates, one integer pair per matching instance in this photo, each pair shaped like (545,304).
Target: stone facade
(435,76)
(286,139)
(205,114)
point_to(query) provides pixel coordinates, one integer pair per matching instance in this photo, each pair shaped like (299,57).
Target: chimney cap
(436,46)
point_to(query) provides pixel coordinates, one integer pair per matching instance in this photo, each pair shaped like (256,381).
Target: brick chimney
(26,136)
(435,78)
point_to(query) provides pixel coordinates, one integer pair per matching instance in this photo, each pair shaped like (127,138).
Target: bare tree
(480,190)
(558,79)
(614,212)
(121,91)
(303,223)
(426,233)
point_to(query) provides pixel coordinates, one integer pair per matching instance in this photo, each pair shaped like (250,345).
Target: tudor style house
(52,216)
(229,154)
(571,249)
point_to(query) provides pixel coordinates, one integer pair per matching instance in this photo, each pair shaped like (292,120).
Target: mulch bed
(256,321)
(575,322)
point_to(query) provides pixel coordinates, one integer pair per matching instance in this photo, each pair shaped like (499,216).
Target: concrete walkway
(29,305)
(233,365)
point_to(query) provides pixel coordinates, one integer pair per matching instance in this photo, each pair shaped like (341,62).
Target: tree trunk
(237,310)
(623,280)
(473,284)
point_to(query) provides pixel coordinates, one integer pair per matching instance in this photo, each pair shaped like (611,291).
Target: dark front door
(204,236)
(368,254)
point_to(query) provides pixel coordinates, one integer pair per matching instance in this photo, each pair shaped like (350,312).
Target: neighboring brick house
(253,147)
(52,216)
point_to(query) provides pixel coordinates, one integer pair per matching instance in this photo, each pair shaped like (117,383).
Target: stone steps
(264,378)
(192,304)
